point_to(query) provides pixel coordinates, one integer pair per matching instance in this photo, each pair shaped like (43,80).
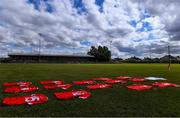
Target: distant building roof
(51,55)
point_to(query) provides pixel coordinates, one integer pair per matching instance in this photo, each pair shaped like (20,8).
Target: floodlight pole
(110,45)
(169,55)
(39,57)
(73,50)
(0,59)
(150,52)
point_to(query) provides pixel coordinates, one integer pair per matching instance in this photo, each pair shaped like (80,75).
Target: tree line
(103,54)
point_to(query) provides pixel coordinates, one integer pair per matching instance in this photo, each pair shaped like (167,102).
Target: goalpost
(169,53)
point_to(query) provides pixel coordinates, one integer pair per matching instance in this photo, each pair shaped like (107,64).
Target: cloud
(65,26)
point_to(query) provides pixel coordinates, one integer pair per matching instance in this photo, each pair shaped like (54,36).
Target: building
(4,60)
(133,60)
(49,58)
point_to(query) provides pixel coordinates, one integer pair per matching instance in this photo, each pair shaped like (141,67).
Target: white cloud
(64,28)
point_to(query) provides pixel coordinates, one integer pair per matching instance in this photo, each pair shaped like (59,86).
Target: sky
(127,27)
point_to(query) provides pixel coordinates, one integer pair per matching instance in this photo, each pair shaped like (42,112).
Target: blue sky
(78,4)
(37,5)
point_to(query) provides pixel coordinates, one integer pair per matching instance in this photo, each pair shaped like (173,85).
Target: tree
(102,54)
(93,51)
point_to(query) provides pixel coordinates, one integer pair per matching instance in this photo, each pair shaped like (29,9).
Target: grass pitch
(116,101)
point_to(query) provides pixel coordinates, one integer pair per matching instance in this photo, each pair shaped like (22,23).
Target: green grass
(116,101)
